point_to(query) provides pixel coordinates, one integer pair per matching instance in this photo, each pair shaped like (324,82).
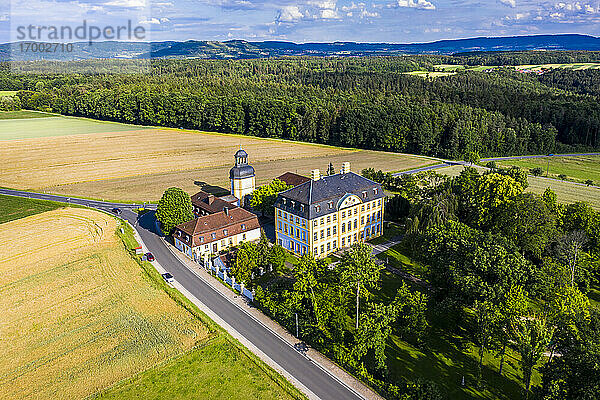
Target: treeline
(524,57)
(366,103)
(520,264)
(586,81)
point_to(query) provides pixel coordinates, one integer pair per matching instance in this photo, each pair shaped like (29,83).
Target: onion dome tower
(242,177)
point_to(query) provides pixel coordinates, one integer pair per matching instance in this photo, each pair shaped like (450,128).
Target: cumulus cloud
(126,3)
(289,14)
(420,4)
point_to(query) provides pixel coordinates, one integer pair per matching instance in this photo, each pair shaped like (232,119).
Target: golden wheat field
(77,313)
(140,165)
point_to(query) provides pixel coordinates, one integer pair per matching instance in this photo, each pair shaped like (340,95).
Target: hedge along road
(321,383)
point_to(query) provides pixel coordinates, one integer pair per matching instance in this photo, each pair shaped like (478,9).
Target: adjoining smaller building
(210,234)
(205,203)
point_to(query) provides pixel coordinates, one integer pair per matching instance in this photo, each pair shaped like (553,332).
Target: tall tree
(358,270)
(174,208)
(531,337)
(512,307)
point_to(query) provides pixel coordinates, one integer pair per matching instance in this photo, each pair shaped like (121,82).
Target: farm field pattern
(78,314)
(121,163)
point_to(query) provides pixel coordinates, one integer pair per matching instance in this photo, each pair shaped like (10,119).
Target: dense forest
(363,102)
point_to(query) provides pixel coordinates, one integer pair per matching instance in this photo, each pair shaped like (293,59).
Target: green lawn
(446,357)
(23,115)
(12,208)
(217,370)
(396,258)
(580,168)
(28,124)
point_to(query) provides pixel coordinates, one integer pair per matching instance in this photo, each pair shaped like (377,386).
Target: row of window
(293,204)
(292,218)
(290,230)
(213,235)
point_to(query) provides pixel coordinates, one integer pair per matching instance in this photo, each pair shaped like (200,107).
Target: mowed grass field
(82,318)
(580,168)
(121,163)
(30,124)
(566,192)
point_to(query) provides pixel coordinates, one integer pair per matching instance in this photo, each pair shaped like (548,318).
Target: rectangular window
(279,212)
(349,226)
(279,225)
(343,228)
(355,210)
(379,202)
(328,232)
(297,221)
(279,242)
(244,236)
(328,218)
(335,230)
(355,223)
(335,244)
(304,223)
(355,237)
(315,223)
(322,234)
(322,221)
(316,250)
(343,242)
(343,214)
(316,236)
(322,248)
(285,229)
(328,246)
(362,220)
(362,208)
(334,217)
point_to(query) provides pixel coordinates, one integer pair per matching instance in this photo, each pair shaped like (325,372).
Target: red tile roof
(210,203)
(202,229)
(293,179)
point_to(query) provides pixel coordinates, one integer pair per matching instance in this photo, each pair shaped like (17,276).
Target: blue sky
(399,21)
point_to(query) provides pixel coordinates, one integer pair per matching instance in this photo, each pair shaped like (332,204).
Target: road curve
(320,382)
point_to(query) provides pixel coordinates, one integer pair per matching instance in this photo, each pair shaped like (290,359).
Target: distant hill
(240,49)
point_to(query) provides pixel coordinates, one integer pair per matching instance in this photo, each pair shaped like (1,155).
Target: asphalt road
(318,381)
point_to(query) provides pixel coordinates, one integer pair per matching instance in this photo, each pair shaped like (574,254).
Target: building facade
(208,235)
(329,213)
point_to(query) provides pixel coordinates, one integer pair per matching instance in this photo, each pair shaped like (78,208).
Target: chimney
(315,175)
(210,199)
(345,168)
(226,210)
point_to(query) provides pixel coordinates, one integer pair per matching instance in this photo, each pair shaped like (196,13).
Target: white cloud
(149,21)
(367,14)
(420,4)
(509,3)
(329,14)
(3,17)
(289,14)
(126,3)
(324,4)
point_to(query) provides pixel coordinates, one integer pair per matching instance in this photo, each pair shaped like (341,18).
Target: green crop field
(12,208)
(217,370)
(579,168)
(29,125)
(7,93)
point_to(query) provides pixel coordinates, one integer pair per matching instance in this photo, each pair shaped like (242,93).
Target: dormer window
(225,232)
(243,227)
(302,207)
(293,203)
(375,191)
(330,204)
(201,239)
(283,200)
(179,233)
(213,235)
(318,208)
(364,194)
